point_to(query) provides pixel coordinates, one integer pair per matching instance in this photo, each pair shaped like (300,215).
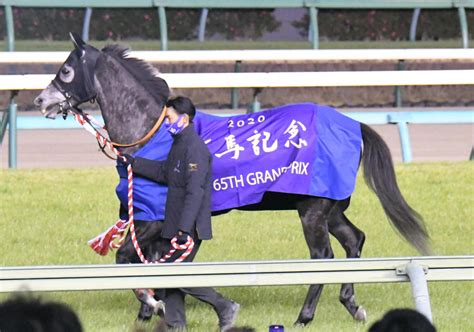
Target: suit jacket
(187,172)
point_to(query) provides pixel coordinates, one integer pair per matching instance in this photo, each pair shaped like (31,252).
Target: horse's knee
(120,258)
(322,252)
(325,253)
(124,255)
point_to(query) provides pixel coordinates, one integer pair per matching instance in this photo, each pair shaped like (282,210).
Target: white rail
(261,55)
(279,79)
(261,273)
(416,270)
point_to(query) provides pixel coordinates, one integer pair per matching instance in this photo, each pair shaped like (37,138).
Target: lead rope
(106,240)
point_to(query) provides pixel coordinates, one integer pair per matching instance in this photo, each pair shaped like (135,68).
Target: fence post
(163,28)
(464,28)
(398,89)
(414,23)
(86,24)
(234,97)
(419,289)
(313,26)
(3,125)
(12,146)
(202,24)
(405,141)
(10,28)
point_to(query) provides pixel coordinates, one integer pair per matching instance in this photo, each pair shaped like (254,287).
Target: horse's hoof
(161,313)
(299,325)
(302,322)
(159,308)
(361,314)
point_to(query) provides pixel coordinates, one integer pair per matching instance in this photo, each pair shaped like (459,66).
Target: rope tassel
(102,243)
(106,240)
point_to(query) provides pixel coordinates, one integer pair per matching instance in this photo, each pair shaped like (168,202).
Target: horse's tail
(379,174)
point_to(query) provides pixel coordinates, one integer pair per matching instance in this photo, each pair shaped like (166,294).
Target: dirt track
(76,148)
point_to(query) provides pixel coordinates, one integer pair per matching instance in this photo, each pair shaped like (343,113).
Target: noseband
(67,104)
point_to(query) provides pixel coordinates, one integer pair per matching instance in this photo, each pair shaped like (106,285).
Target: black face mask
(81,89)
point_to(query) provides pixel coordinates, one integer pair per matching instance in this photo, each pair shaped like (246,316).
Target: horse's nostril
(38,101)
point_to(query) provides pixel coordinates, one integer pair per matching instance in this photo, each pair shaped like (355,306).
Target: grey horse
(131,98)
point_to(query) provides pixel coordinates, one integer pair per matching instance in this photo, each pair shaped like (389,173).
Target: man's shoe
(228,316)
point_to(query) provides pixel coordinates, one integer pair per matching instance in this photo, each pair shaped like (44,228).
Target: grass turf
(47,216)
(41,45)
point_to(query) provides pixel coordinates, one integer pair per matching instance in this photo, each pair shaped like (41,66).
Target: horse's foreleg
(151,302)
(147,234)
(147,297)
(314,214)
(352,240)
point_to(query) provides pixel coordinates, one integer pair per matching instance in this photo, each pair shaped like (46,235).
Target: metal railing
(255,56)
(416,270)
(312,6)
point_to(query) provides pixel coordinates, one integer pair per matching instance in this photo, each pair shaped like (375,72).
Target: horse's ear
(77,41)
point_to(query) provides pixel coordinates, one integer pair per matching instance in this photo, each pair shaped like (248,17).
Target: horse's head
(74,82)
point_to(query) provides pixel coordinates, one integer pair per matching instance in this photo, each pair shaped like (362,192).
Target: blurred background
(43,27)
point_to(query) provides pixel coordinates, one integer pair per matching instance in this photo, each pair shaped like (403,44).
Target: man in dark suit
(187,172)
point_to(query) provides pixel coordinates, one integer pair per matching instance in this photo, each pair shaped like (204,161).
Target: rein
(72,100)
(104,241)
(148,135)
(66,106)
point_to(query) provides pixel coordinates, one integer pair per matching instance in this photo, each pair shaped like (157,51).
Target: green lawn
(47,216)
(41,45)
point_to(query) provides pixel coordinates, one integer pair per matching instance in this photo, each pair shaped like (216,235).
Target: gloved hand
(182,238)
(129,160)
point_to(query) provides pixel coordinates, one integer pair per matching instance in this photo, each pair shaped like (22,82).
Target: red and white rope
(104,241)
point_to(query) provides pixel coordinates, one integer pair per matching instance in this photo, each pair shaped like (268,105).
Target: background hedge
(114,24)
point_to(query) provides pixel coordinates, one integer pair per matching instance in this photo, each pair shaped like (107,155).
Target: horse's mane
(142,71)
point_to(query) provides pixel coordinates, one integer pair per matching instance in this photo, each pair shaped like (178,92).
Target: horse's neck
(129,111)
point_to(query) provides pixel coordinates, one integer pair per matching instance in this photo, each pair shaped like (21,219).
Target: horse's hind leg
(315,214)
(352,240)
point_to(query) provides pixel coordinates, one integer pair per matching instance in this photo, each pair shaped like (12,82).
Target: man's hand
(182,238)
(129,159)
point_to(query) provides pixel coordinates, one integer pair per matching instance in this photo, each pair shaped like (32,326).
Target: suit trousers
(175,315)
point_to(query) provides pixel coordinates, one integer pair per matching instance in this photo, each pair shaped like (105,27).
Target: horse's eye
(66,74)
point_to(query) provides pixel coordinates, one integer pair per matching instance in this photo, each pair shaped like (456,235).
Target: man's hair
(27,314)
(400,320)
(183,105)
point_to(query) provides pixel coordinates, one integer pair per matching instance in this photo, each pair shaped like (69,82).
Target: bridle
(71,104)
(152,131)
